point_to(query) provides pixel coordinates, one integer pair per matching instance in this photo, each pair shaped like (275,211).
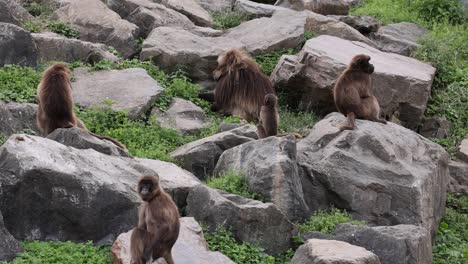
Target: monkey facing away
(269,117)
(352,93)
(158,223)
(241,86)
(55,103)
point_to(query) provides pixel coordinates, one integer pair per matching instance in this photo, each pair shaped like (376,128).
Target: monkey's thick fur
(352,93)
(269,117)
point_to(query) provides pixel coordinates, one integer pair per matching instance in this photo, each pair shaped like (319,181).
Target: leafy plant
(440,10)
(296,122)
(63,29)
(34,26)
(268,61)
(326,221)
(235,183)
(18,83)
(38,9)
(3,139)
(228,18)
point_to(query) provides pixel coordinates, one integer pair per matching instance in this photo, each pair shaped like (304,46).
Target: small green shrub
(18,83)
(63,252)
(235,183)
(268,61)
(228,19)
(3,139)
(63,29)
(34,26)
(38,9)
(326,221)
(440,10)
(296,122)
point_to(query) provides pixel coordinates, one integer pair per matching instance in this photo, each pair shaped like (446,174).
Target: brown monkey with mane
(353,95)
(55,103)
(158,224)
(241,86)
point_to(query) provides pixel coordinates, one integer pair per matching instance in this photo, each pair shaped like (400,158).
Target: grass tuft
(228,19)
(233,182)
(326,221)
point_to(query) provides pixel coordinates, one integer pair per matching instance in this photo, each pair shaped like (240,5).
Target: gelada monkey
(269,117)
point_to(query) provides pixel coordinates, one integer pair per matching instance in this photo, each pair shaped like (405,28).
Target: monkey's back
(163,215)
(347,90)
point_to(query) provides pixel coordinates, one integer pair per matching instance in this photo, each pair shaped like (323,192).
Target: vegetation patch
(296,122)
(268,61)
(18,83)
(64,29)
(235,183)
(38,9)
(226,19)
(3,139)
(326,221)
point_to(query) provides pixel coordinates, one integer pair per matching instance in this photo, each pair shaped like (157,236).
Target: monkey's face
(147,189)
(361,62)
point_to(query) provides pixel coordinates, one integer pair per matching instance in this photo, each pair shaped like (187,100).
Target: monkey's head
(270,100)
(148,187)
(361,62)
(232,61)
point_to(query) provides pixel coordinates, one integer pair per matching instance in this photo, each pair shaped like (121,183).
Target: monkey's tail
(117,143)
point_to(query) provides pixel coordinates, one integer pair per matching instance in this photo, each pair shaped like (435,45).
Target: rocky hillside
(395,193)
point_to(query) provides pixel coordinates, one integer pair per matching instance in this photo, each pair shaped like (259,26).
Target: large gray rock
(216,5)
(190,8)
(271,170)
(172,48)
(16,46)
(53,47)
(316,251)
(97,23)
(18,118)
(383,174)
(400,38)
(131,90)
(200,156)
(458,177)
(435,127)
(13,13)
(9,246)
(462,151)
(81,139)
(182,115)
(402,85)
(255,9)
(363,24)
(249,220)
(190,247)
(323,7)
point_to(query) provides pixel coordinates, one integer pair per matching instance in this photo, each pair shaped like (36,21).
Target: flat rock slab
(462,152)
(14,13)
(255,9)
(18,118)
(458,177)
(192,9)
(131,90)
(401,38)
(402,85)
(16,46)
(323,7)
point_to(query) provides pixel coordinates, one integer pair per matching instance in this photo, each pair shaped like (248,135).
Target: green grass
(3,139)
(235,183)
(268,61)
(18,83)
(63,252)
(296,122)
(326,221)
(60,28)
(228,19)
(38,10)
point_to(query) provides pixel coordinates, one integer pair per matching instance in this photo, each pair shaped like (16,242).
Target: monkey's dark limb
(261,131)
(351,119)
(208,96)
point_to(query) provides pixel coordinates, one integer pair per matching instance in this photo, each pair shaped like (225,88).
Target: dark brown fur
(241,86)
(269,117)
(158,223)
(55,103)
(353,95)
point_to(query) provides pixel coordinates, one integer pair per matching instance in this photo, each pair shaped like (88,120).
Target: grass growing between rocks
(227,19)
(63,252)
(19,83)
(296,122)
(235,183)
(326,221)
(268,61)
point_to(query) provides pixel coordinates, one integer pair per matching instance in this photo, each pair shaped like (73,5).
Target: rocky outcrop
(53,47)
(317,251)
(462,151)
(324,7)
(249,220)
(191,9)
(97,23)
(383,174)
(363,24)
(200,156)
(400,38)
(458,177)
(255,9)
(18,118)
(402,85)
(216,5)
(435,127)
(16,46)
(271,170)
(131,90)
(13,13)
(9,246)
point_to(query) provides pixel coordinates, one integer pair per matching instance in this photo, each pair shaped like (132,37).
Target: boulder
(13,13)
(400,38)
(18,118)
(9,246)
(53,47)
(402,85)
(200,156)
(383,174)
(363,24)
(271,170)
(97,23)
(16,46)
(81,139)
(458,177)
(400,244)
(317,251)
(182,115)
(228,126)
(191,9)
(190,247)
(131,90)
(172,48)
(249,220)
(323,7)
(462,151)
(255,9)
(284,30)
(216,5)
(435,127)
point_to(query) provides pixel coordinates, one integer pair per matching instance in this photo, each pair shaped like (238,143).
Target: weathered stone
(400,38)
(402,85)
(172,48)
(182,115)
(200,156)
(271,170)
(131,90)
(53,47)
(80,139)
(458,177)
(435,127)
(323,7)
(316,251)
(462,152)
(190,247)
(16,46)
(9,246)
(18,118)
(255,9)
(249,220)
(13,13)
(216,5)
(191,9)
(97,23)
(383,174)
(363,24)
(228,126)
